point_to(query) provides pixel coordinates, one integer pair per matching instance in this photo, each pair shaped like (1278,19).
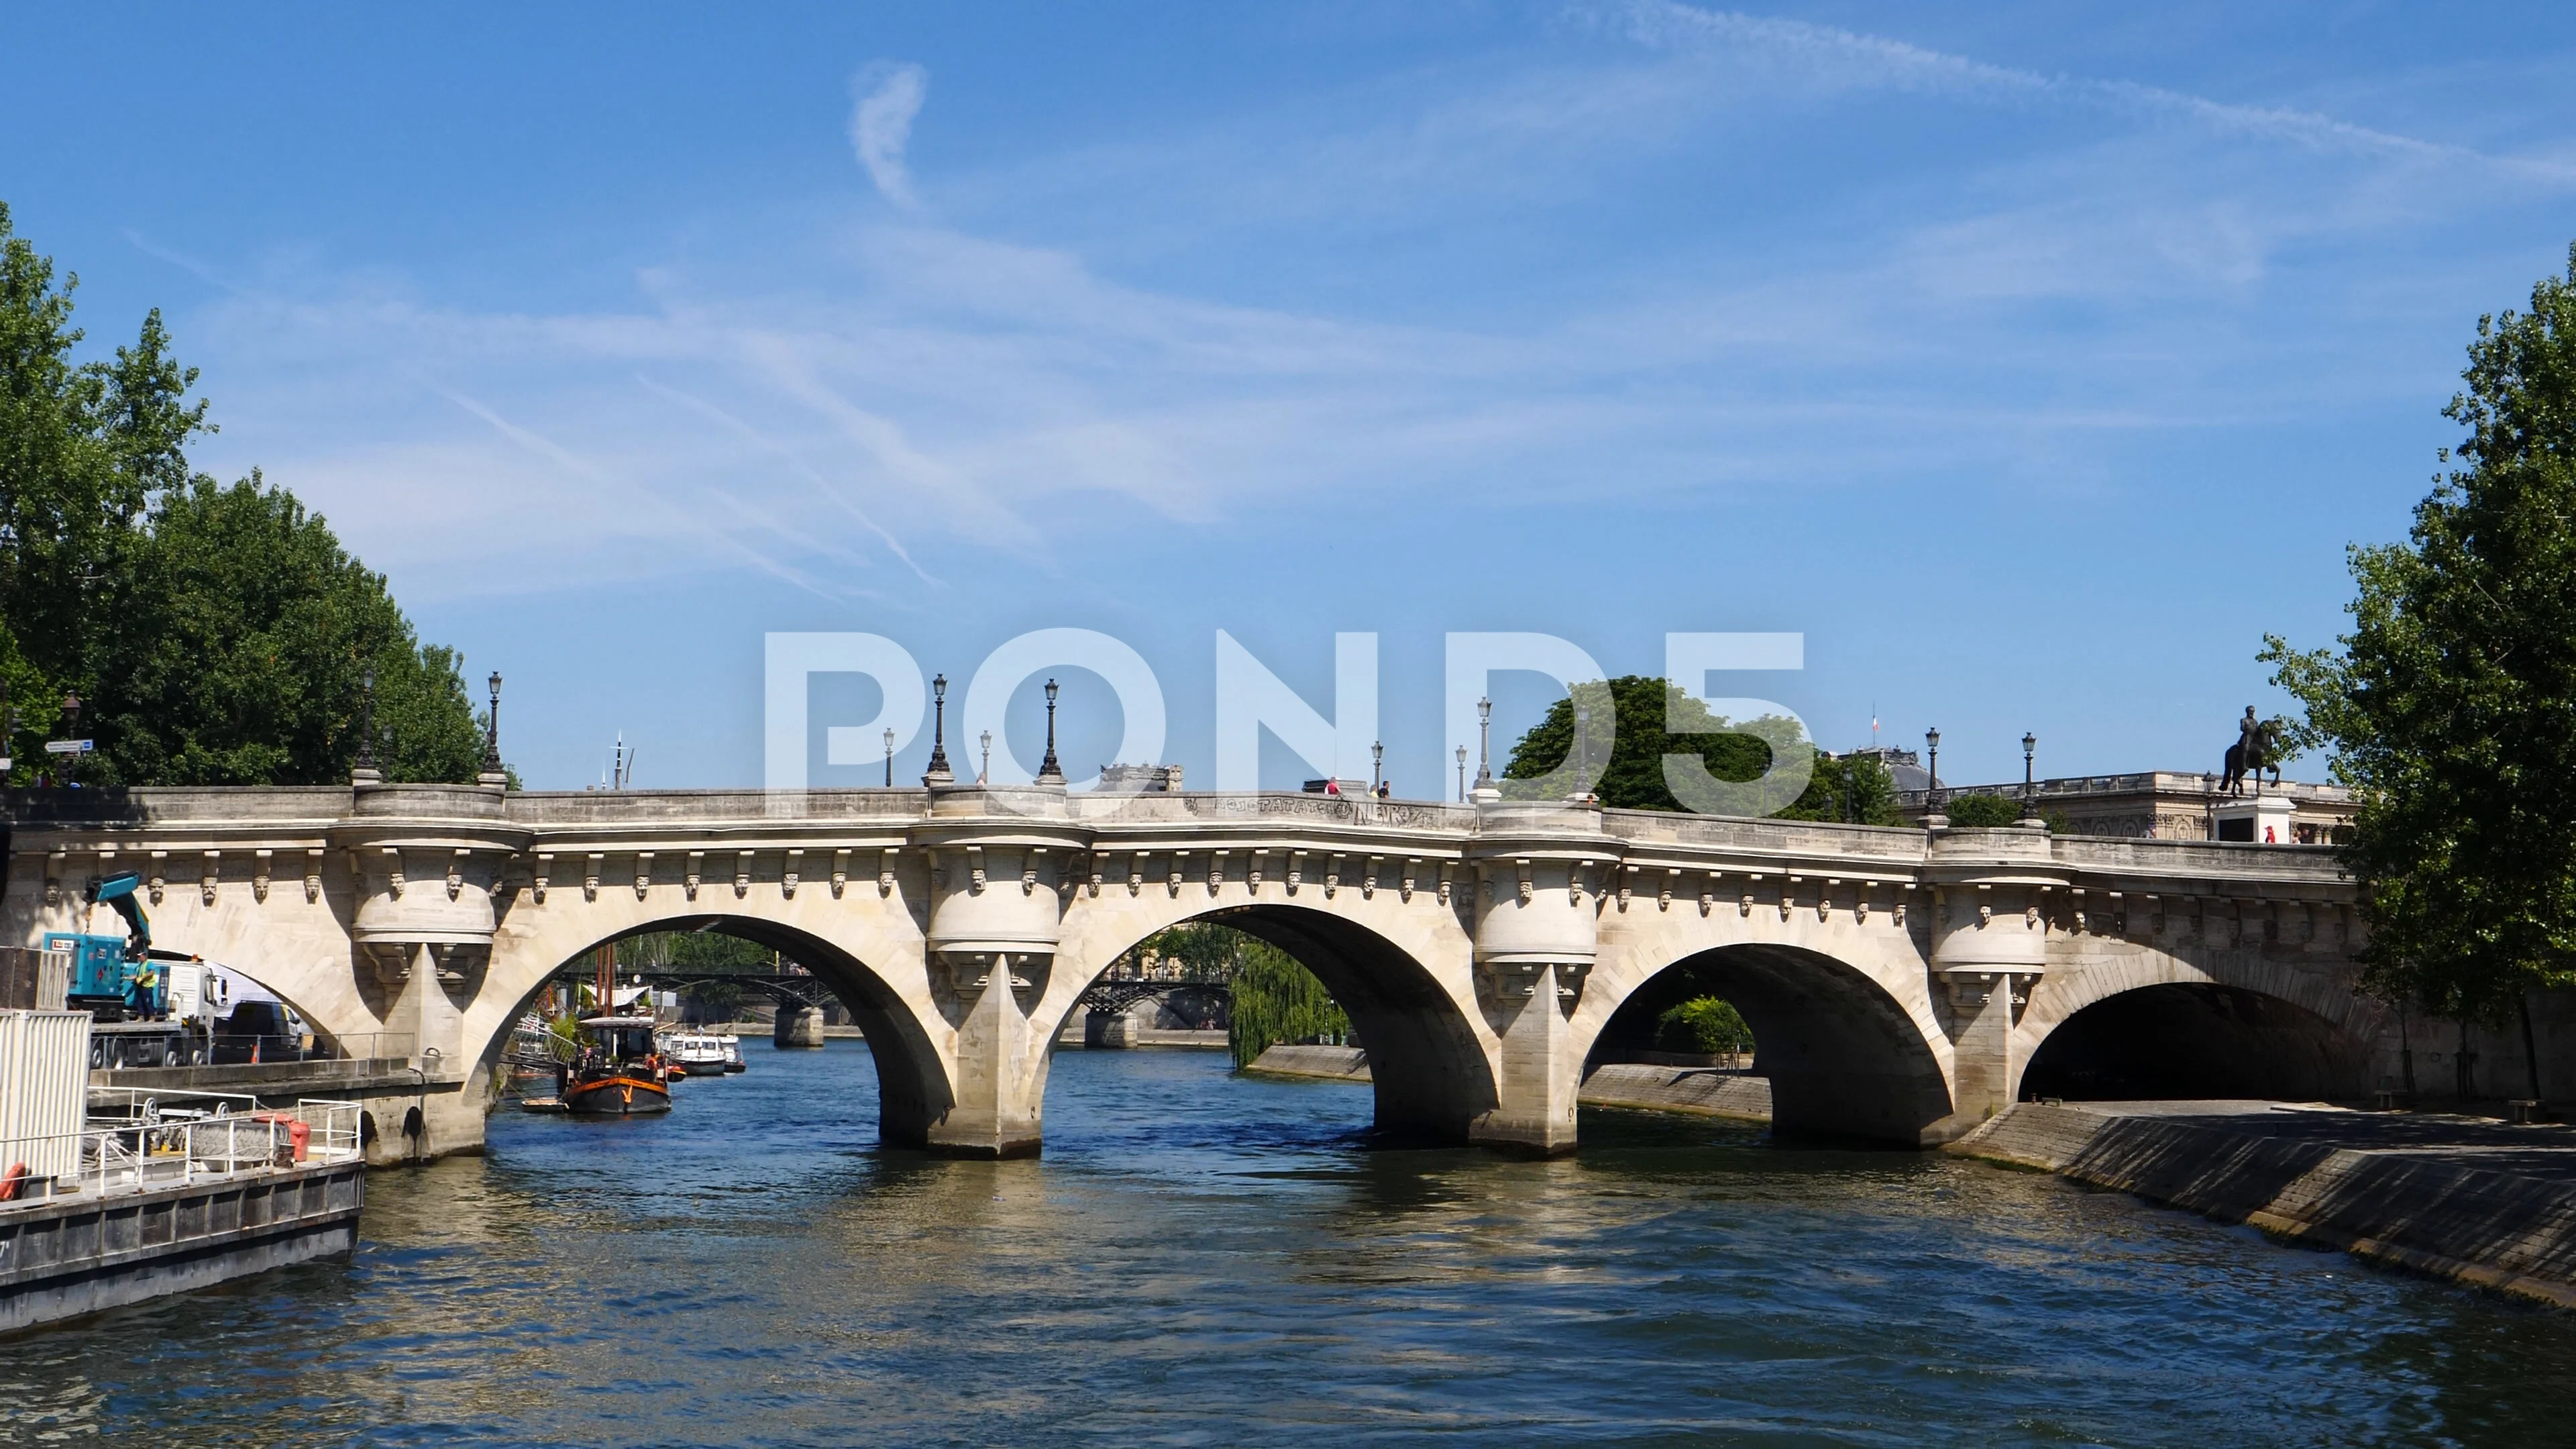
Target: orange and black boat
(619,1073)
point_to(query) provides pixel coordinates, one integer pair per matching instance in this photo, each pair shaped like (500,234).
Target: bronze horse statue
(2257,748)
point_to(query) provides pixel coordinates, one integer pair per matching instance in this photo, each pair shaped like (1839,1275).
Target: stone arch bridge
(1900,982)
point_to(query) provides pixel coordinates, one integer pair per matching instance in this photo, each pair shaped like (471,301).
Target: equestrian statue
(2257,747)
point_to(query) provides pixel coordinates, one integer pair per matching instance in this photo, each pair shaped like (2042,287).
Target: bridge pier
(1541,1071)
(1108,1030)
(1538,930)
(1984,1004)
(995,1112)
(798,1025)
(1990,948)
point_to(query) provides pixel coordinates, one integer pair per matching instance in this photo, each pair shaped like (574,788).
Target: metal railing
(153,1104)
(351,1048)
(171,1143)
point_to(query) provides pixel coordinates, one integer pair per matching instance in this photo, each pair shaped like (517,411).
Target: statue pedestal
(2256,819)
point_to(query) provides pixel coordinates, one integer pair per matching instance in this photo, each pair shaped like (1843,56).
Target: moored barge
(620,1072)
(133,1199)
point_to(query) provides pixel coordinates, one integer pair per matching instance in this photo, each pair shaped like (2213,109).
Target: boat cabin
(619,1038)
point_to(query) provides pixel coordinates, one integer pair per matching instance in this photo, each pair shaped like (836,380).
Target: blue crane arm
(117,891)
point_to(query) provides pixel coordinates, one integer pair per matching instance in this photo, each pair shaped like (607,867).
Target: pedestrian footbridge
(1903,985)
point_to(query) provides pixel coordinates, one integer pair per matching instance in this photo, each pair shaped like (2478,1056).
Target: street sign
(70,747)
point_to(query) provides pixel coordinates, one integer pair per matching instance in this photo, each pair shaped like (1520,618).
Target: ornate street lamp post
(1377,765)
(1049,772)
(938,773)
(985,775)
(1932,791)
(1484,746)
(2029,803)
(1462,774)
(889,743)
(1582,741)
(492,729)
(366,723)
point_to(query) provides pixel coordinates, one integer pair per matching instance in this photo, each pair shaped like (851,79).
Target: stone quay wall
(2500,1230)
(1702,1091)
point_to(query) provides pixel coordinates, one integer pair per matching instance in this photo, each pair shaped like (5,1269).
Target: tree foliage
(1705,1024)
(1625,764)
(215,635)
(2451,709)
(1855,789)
(710,951)
(1277,999)
(1203,950)
(1980,810)
(244,635)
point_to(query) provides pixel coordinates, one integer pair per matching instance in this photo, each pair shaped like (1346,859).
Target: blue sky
(2031,360)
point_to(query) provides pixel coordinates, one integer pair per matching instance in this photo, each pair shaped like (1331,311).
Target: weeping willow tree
(1275,1000)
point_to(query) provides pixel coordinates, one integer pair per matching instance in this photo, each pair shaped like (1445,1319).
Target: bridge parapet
(1359,812)
(629,809)
(1767,837)
(119,805)
(2315,869)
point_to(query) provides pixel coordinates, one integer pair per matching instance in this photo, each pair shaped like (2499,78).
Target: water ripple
(1201,1259)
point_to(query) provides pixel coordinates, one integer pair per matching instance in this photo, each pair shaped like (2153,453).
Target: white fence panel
(44,1088)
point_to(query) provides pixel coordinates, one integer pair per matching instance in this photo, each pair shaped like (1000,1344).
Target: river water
(1207,1259)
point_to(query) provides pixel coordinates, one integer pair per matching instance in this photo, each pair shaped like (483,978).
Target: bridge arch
(2146,1023)
(913,1080)
(1432,1069)
(1844,1056)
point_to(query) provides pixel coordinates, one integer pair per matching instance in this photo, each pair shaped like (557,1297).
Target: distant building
(2155,805)
(1140,779)
(1902,766)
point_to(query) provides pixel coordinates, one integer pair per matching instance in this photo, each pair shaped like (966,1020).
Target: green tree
(1854,789)
(1203,950)
(1706,1024)
(215,635)
(1987,810)
(1980,810)
(716,1000)
(709,951)
(245,633)
(2449,708)
(1631,777)
(82,448)
(1276,999)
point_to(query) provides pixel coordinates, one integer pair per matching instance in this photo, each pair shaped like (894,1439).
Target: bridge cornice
(370,833)
(214,818)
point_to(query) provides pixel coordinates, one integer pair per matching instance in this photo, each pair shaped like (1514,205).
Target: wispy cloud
(1833,55)
(794,461)
(887,99)
(851,404)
